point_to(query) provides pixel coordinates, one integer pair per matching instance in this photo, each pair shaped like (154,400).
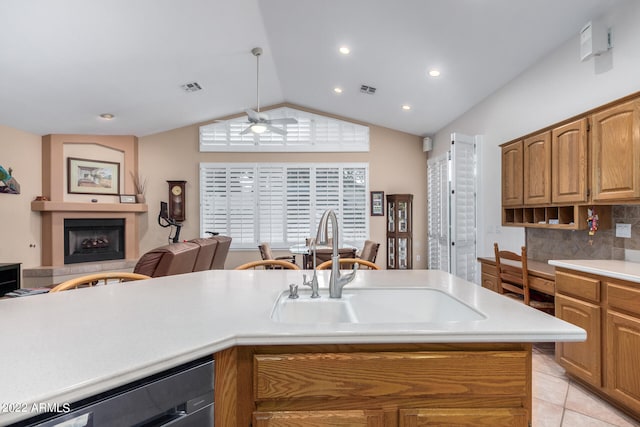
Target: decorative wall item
(8,184)
(140,185)
(86,176)
(377,203)
(127,198)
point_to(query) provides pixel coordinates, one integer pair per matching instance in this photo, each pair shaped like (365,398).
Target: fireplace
(95,239)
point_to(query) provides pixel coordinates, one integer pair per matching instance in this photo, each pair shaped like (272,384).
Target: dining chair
(513,278)
(369,251)
(267,264)
(323,255)
(95,279)
(348,263)
(267,254)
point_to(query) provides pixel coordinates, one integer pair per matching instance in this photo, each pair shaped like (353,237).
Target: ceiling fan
(259,122)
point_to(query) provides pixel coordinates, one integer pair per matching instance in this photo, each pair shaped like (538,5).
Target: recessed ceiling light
(406,107)
(345,50)
(337,90)
(107,116)
(434,73)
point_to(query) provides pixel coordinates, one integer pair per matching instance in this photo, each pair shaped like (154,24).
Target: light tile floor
(561,402)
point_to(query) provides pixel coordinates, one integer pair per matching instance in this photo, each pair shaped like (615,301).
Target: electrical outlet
(623,230)
(417,257)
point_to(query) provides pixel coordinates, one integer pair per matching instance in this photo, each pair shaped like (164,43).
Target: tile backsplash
(546,244)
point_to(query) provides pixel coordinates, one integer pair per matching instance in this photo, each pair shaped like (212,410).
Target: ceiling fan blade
(246,131)
(284,121)
(276,130)
(253,115)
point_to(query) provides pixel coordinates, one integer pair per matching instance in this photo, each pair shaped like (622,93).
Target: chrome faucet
(337,281)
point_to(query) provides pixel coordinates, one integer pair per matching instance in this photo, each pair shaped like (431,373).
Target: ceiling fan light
(258,128)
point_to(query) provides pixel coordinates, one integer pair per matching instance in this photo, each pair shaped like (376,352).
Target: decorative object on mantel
(86,176)
(42,199)
(140,185)
(128,198)
(9,183)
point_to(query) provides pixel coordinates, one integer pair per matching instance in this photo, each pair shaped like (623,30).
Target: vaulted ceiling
(65,62)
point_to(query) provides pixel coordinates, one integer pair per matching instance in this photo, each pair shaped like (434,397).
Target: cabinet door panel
(623,359)
(353,418)
(512,174)
(407,375)
(569,162)
(616,152)
(494,417)
(582,359)
(537,169)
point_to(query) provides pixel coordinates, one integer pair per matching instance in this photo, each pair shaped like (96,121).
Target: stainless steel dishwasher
(178,397)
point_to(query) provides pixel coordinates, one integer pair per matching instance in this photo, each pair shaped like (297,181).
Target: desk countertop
(537,268)
(70,345)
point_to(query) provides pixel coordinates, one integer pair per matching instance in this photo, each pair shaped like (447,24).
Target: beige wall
(396,165)
(19,226)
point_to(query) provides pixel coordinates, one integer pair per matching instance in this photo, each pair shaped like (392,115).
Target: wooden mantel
(49,206)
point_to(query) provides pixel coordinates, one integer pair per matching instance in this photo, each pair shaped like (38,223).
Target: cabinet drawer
(489,269)
(582,287)
(414,374)
(624,298)
(542,285)
(494,417)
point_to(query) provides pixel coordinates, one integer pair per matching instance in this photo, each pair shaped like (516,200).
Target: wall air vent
(369,90)
(191,87)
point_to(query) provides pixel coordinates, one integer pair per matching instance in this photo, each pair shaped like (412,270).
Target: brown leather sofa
(175,258)
(222,250)
(185,257)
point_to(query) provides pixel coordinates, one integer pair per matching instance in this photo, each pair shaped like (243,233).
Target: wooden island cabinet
(380,385)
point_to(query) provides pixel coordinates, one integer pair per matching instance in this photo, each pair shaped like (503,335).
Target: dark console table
(9,278)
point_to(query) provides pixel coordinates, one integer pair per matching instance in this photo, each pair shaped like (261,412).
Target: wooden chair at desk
(95,279)
(513,278)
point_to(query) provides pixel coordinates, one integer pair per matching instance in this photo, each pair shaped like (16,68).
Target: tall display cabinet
(399,232)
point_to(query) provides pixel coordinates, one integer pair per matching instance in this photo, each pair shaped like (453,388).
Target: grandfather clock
(176,200)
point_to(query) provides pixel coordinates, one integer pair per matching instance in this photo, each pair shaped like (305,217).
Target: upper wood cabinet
(615,152)
(569,170)
(512,173)
(537,169)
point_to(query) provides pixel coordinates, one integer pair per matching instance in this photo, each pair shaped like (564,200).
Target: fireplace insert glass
(87,240)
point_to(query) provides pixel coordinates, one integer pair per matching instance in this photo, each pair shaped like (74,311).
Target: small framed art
(377,203)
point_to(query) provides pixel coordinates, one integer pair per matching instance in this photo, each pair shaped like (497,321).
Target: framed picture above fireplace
(86,176)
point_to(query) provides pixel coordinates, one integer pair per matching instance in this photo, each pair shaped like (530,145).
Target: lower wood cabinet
(582,359)
(385,385)
(490,417)
(318,418)
(609,310)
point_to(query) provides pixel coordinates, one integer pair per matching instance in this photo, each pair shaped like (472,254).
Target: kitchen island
(64,347)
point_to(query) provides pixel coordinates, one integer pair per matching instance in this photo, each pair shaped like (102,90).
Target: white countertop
(61,347)
(623,270)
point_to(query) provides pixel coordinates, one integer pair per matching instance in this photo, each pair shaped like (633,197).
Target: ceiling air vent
(369,90)
(191,87)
